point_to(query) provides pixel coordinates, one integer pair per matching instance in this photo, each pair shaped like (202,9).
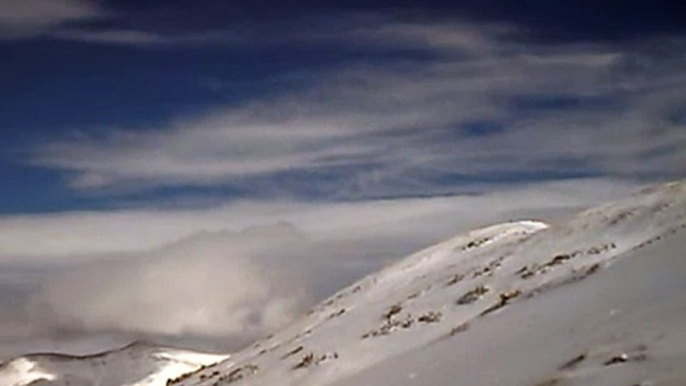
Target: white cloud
(208,285)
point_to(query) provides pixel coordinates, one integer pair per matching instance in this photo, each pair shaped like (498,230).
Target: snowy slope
(134,365)
(598,299)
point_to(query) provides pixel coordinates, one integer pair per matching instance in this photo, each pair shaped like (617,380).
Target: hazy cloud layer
(221,277)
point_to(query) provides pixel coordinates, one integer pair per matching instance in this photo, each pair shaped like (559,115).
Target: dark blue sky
(115,78)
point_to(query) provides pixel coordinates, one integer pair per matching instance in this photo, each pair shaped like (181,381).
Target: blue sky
(177,136)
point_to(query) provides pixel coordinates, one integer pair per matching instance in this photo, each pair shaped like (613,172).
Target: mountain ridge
(495,291)
(443,291)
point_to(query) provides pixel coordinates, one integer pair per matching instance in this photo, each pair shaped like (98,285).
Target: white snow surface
(138,364)
(596,299)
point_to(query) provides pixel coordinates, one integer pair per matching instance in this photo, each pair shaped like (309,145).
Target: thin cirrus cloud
(144,39)
(594,109)
(91,22)
(30,18)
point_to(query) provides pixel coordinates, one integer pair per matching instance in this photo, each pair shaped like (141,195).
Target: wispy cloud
(375,129)
(146,39)
(93,22)
(29,18)
(452,37)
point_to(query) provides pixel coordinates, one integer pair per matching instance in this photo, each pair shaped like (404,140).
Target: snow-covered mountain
(138,364)
(597,299)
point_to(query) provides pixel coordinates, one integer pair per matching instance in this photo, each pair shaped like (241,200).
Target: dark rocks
(472,295)
(572,363)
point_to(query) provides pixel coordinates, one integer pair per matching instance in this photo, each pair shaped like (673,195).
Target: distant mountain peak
(136,364)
